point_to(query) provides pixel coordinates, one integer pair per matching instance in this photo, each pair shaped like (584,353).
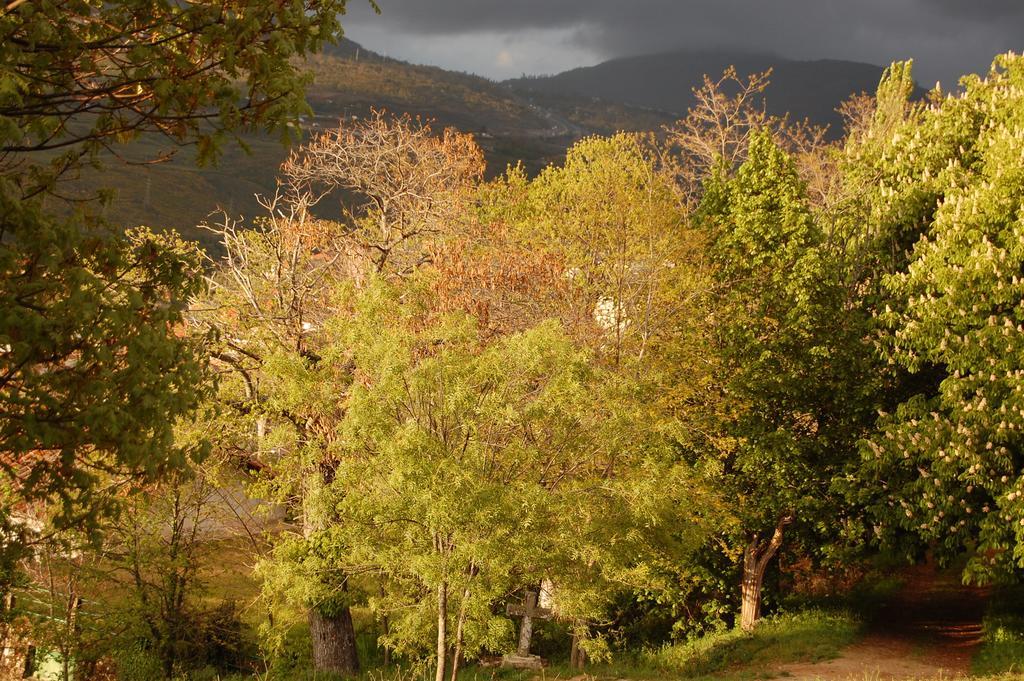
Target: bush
(216,644)
(135,663)
(221,641)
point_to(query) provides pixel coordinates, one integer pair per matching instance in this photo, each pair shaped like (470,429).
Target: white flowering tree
(946,466)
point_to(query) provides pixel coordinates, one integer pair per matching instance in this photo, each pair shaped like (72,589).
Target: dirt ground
(930,629)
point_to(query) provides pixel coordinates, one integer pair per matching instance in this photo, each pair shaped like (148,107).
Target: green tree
(945,468)
(632,277)
(628,276)
(792,361)
(613,222)
(274,292)
(268,301)
(467,469)
(94,367)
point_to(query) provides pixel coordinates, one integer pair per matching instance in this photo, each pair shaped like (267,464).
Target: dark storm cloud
(947,37)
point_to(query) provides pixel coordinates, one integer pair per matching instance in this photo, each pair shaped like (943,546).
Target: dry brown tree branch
(400,185)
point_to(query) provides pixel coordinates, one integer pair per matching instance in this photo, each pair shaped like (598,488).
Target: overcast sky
(506,38)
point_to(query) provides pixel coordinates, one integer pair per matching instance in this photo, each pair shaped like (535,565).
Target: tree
(792,359)
(269,299)
(404,185)
(628,276)
(716,131)
(714,137)
(467,469)
(310,401)
(94,367)
(159,553)
(944,469)
(78,77)
(137,596)
(274,292)
(633,268)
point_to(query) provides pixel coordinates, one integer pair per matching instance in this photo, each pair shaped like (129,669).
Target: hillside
(805,89)
(531,120)
(348,81)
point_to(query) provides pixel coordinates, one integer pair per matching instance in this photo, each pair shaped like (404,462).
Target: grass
(727,656)
(1003,648)
(808,636)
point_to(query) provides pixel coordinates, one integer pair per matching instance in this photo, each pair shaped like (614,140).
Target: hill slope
(348,81)
(805,89)
(531,120)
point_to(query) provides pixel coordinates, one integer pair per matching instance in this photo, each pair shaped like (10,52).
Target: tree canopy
(96,366)
(80,76)
(945,462)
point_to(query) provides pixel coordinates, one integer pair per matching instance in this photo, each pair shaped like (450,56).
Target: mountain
(805,89)
(531,120)
(511,126)
(348,81)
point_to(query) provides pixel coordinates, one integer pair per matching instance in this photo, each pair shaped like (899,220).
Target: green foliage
(782,330)
(808,636)
(794,369)
(637,288)
(469,469)
(613,221)
(635,274)
(95,370)
(135,663)
(946,460)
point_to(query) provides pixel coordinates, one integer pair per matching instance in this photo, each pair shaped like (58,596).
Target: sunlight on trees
(944,466)
(640,389)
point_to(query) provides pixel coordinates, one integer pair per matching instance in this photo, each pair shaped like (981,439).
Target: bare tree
(276,277)
(857,113)
(401,184)
(715,134)
(717,128)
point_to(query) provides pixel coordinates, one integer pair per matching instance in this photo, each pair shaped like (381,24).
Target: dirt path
(930,629)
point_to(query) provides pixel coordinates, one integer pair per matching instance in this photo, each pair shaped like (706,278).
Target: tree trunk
(334,642)
(442,630)
(577,656)
(756,557)
(334,637)
(29,669)
(6,613)
(460,629)
(753,577)
(386,624)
